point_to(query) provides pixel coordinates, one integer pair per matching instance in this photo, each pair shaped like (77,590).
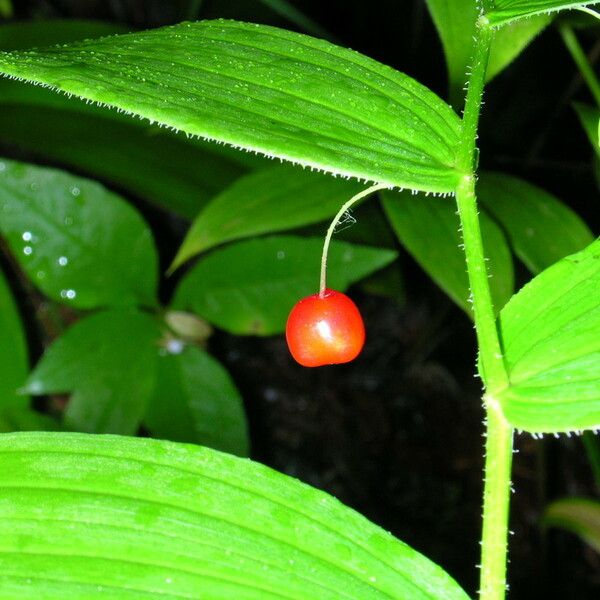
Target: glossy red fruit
(325,330)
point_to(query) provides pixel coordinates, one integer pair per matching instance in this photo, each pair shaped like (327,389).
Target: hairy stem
(492,362)
(498,462)
(580,59)
(499,434)
(336,219)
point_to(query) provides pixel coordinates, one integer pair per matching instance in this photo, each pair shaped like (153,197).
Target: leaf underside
(89,516)
(264,89)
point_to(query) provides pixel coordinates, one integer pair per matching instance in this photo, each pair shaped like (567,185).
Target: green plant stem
(346,206)
(494,371)
(580,59)
(499,434)
(496,494)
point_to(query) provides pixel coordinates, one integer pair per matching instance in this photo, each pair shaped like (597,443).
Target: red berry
(325,330)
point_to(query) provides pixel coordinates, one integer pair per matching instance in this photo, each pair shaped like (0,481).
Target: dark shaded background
(397,434)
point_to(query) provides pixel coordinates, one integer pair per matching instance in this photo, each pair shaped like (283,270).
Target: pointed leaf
(429,229)
(14,362)
(108,362)
(506,11)
(267,90)
(549,333)
(250,287)
(271,200)
(78,242)
(541,229)
(195,400)
(579,515)
(85,516)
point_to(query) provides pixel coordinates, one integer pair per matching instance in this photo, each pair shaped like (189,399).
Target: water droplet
(27,250)
(75,191)
(280,254)
(68,294)
(175,346)
(41,274)
(63,260)
(27,236)
(35,387)
(34,187)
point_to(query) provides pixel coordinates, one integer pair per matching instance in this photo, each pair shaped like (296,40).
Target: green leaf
(578,515)
(174,173)
(86,516)
(549,333)
(429,229)
(268,90)
(195,400)
(540,228)
(507,11)
(14,361)
(249,287)
(590,118)
(455,23)
(108,362)
(271,200)
(26,419)
(511,40)
(78,242)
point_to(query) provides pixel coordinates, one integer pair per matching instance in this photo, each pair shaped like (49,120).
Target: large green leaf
(549,333)
(153,164)
(175,172)
(579,515)
(195,400)
(429,229)
(271,200)
(455,22)
(267,90)
(108,362)
(14,362)
(250,287)
(78,242)
(506,11)
(541,229)
(95,516)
